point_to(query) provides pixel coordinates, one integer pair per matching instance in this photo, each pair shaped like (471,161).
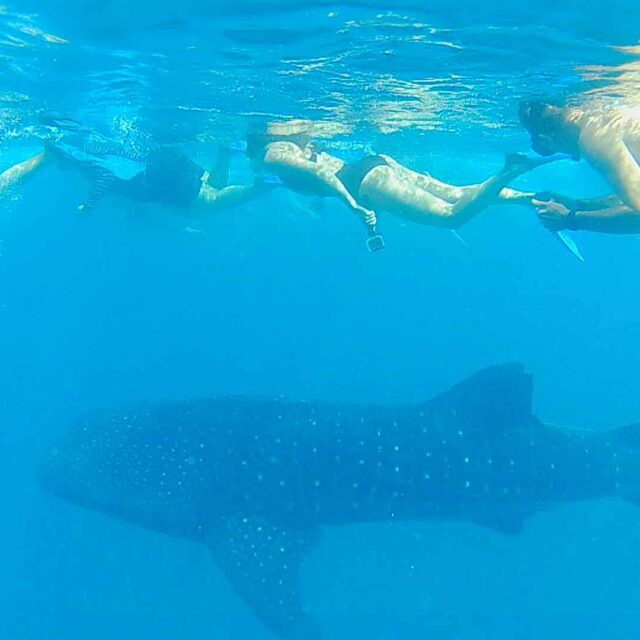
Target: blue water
(275,298)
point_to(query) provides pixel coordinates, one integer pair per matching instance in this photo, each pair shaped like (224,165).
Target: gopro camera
(375,242)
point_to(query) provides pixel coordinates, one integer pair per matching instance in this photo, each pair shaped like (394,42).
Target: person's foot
(519,162)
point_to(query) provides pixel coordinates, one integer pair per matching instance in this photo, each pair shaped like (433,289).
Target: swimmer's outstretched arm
(231,196)
(596,204)
(23,170)
(323,174)
(604,215)
(620,219)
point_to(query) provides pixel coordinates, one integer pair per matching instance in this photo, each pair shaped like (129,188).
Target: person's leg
(386,188)
(475,199)
(21,171)
(393,191)
(451,193)
(442,190)
(514,196)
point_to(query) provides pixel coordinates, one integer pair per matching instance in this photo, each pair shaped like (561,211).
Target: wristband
(571,221)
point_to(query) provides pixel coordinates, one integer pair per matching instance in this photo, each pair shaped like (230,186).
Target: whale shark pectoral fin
(262,562)
(507,522)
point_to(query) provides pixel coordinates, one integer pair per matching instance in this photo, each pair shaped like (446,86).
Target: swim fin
(460,239)
(569,243)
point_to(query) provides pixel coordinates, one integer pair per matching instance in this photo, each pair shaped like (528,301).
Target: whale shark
(257,480)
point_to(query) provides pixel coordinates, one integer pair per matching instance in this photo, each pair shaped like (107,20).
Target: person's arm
(604,215)
(19,172)
(619,219)
(595,204)
(578,204)
(322,174)
(233,195)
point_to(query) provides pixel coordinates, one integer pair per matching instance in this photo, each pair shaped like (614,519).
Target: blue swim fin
(460,239)
(569,243)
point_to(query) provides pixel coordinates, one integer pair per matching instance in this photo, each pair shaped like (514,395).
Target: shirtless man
(611,144)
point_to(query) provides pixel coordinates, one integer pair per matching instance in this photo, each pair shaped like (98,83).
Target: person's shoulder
(601,127)
(610,119)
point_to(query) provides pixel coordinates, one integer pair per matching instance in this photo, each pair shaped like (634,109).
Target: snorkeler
(166,176)
(378,182)
(18,173)
(163,175)
(610,143)
(285,149)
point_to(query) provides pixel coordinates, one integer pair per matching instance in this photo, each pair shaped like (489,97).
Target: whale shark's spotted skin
(256,480)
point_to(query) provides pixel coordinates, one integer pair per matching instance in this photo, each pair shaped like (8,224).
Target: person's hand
(567,201)
(553,211)
(368,216)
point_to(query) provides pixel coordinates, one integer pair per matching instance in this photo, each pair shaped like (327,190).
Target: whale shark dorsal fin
(498,396)
(262,562)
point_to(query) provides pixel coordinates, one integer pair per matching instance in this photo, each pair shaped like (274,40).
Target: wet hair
(538,116)
(259,138)
(530,111)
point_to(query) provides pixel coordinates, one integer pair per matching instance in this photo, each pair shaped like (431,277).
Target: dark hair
(258,139)
(540,115)
(532,112)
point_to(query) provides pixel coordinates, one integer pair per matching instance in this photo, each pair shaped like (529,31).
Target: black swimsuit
(168,177)
(352,175)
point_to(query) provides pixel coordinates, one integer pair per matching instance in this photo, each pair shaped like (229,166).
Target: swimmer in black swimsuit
(167,176)
(163,175)
(378,182)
